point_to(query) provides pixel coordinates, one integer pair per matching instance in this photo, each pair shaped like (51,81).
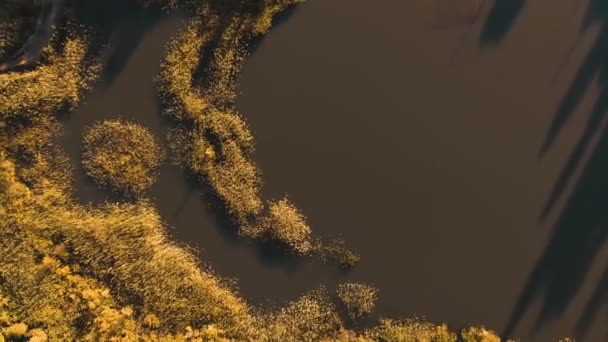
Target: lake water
(419,144)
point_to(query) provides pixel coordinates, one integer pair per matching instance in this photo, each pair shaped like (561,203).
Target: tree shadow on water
(594,66)
(577,238)
(107,18)
(499,21)
(581,228)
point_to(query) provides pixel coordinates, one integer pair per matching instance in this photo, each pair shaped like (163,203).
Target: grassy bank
(111,272)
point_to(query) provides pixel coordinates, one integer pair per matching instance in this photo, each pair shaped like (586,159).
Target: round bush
(122,156)
(359,299)
(288,226)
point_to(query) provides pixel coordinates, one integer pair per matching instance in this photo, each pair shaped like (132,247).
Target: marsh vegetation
(122,156)
(359,299)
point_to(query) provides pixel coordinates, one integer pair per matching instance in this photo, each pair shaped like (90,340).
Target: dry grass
(287,225)
(410,331)
(359,299)
(121,155)
(478,334)
(49,87)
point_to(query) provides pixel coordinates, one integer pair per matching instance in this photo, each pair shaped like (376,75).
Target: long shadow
(580,230)
(578,235)
(104,18)
(595,64)
(598,298)
(499,21)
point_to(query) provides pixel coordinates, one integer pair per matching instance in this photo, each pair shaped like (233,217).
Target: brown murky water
(419,145)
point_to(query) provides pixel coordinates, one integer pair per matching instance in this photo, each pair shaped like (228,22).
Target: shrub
(121,155)
(359,299)
(337,251)
(288,226)
(478,334)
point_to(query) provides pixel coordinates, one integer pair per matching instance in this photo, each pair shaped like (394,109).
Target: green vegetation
(122,156)
(359,299)
(110,273)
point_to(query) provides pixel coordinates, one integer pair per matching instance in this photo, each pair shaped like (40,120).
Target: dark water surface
(419,146)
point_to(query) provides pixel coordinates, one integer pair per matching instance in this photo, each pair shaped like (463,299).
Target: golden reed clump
(286,224)
(123,156)
(359,299)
